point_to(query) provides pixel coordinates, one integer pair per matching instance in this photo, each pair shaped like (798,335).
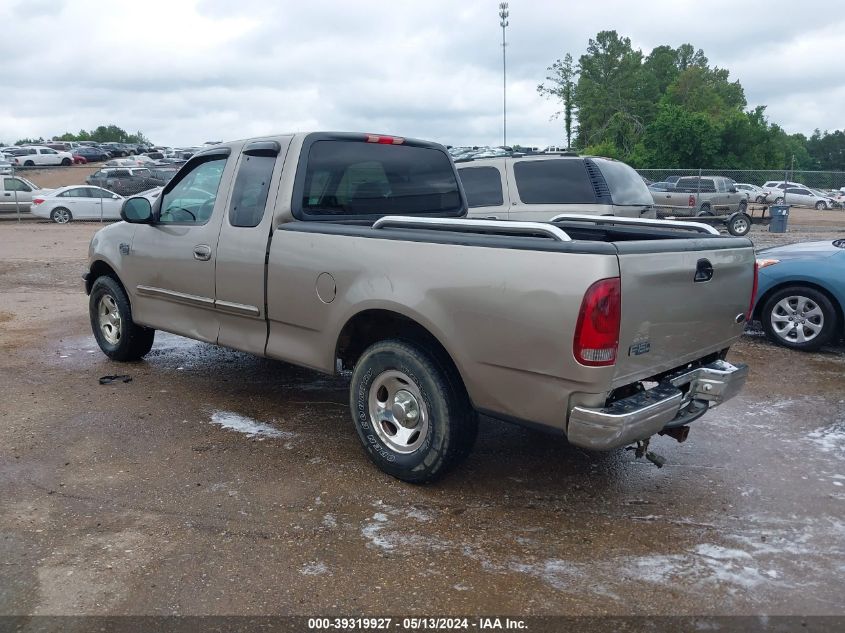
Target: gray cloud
(188,71)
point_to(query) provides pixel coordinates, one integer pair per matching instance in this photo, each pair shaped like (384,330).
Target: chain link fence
(825,181)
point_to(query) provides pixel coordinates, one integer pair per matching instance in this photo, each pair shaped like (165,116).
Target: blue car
(801,293)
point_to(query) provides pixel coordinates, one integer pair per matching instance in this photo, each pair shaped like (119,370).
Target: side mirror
(115,197)
(137,211)
(732,190)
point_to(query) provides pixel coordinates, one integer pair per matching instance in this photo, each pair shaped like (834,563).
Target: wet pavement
(219,483)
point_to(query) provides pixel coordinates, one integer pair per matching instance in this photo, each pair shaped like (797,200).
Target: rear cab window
(347,178)
(482,186)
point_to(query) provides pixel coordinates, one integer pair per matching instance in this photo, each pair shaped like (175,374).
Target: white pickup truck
(336,251)
(37,156)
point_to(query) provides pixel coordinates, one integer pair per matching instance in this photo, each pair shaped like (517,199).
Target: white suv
(539,187)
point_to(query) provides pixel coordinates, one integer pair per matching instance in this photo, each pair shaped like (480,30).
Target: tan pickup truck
(351,252)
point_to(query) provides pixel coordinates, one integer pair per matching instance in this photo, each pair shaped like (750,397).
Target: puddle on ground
(248,426)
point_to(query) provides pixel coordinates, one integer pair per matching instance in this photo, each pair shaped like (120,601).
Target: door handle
(202,252)
(491,217)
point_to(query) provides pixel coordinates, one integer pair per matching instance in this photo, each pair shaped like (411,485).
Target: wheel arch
(100,268)
(761,301)
(372,325)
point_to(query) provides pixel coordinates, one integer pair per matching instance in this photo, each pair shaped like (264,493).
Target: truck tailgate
(681,300)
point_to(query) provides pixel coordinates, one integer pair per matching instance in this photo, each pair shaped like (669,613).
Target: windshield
(626,186)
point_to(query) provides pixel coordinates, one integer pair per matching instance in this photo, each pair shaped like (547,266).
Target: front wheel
(800,318)
(779,200)
(117,334)
(66,162)
(760,199)
(411,411)
(821,205)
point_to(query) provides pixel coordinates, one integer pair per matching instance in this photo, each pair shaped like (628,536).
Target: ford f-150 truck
(352,252)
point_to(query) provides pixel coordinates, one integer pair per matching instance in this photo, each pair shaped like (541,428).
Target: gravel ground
(220,483)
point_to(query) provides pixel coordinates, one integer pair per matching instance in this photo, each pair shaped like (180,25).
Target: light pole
(503,14)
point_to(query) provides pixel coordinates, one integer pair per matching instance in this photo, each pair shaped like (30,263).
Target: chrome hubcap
(740,225)
(397,412)
(797,319)
(109,318)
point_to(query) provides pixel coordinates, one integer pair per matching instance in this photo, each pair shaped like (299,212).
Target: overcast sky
(187,71)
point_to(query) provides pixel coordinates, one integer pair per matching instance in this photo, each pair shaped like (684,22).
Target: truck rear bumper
(679,398)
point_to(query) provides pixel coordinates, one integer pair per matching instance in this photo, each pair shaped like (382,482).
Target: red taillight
(384,140)
(37,200)
(691,201)
(753,292)
(597,330)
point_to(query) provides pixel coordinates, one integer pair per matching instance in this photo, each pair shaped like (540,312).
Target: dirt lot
(137,498)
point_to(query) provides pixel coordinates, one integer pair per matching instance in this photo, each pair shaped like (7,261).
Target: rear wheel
(743,205)
(28,163)
(411,411)
(779,200)
(60,215)
(705,210)
(799,317)
(117,334)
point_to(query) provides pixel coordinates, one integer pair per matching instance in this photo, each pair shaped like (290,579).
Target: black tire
(450,423)
(739,224)
(133,341)
(779,200)
(61,215)
(28,163)
(743,205)
(760,199)
(704,213)
(66,162)
(821,205)
(775,308)
(705,209)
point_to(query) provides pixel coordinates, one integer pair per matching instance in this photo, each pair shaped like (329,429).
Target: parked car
(16,192)
(164,174)
(755,193)
(5,165)
(124,180)
(801,293)
(705,196)
(38,155)
(119,150)
(291,247)
(91,154)
(803,197)
(539,187)
(66,204)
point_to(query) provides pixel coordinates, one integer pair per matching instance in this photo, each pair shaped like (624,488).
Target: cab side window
(191,200)
(249,196)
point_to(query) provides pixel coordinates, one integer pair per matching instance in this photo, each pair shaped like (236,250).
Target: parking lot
(217,483)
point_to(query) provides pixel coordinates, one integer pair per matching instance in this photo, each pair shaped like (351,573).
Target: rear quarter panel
(505,316)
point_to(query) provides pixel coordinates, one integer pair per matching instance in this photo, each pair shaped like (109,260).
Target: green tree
(609,89)
(679,138)
(561,86)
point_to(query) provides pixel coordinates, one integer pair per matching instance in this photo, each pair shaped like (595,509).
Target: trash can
(780,216)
